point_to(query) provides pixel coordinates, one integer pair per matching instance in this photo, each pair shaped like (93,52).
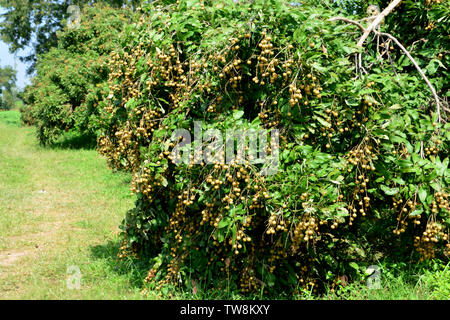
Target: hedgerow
(363,160)
(66,91)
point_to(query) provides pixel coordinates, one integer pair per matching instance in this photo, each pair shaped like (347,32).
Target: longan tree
(33,24)
(363,165)
(68,87)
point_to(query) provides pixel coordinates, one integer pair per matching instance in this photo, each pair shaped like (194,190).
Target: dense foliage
(363,162)
(33,24)
(7,87)
(65,93)
(422,27)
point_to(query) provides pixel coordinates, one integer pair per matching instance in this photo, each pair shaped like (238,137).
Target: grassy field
(60,209)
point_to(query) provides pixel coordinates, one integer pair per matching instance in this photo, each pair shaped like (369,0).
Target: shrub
(65,93)
(363,165)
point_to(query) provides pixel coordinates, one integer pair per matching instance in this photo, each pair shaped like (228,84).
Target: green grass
(18,104)
(61,207)
(430,281)
(11,117)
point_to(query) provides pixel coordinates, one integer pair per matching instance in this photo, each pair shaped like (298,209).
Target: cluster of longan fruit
(305,279)
(361,157)
(360,205)
(430,26)
(404,209)
(126,251)
(428,2)
(269,119)
(313,88)
(266,65)
(434,233)
(151,274)
(362,160)
(295,95)
(440,202)
(248,281)
(304,232)
(143,182)
(239,237)
(287,72)
(433,150)
(148,122)
(275,224)
(129,153)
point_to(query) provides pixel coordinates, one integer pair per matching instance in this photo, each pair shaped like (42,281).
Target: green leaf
(389,191)
(416,212)
(354,265)
(422,194)
(323,122)
(223,223)
(398,181)
(395,107)
(238,114)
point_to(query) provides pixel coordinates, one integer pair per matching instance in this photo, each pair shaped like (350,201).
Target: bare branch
(377,21)
(424,77)
(433,91)
(349,21)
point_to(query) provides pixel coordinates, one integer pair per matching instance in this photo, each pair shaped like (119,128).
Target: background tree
(7,84)
(67,87)
(34,23)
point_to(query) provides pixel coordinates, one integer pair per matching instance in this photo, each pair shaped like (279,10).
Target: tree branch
(377,21)
(349,21)
(424,77)
(433,91)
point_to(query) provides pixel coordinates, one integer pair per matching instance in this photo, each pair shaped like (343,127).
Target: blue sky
(8,59)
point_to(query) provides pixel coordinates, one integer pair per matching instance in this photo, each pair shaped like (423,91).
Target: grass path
(58,208)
